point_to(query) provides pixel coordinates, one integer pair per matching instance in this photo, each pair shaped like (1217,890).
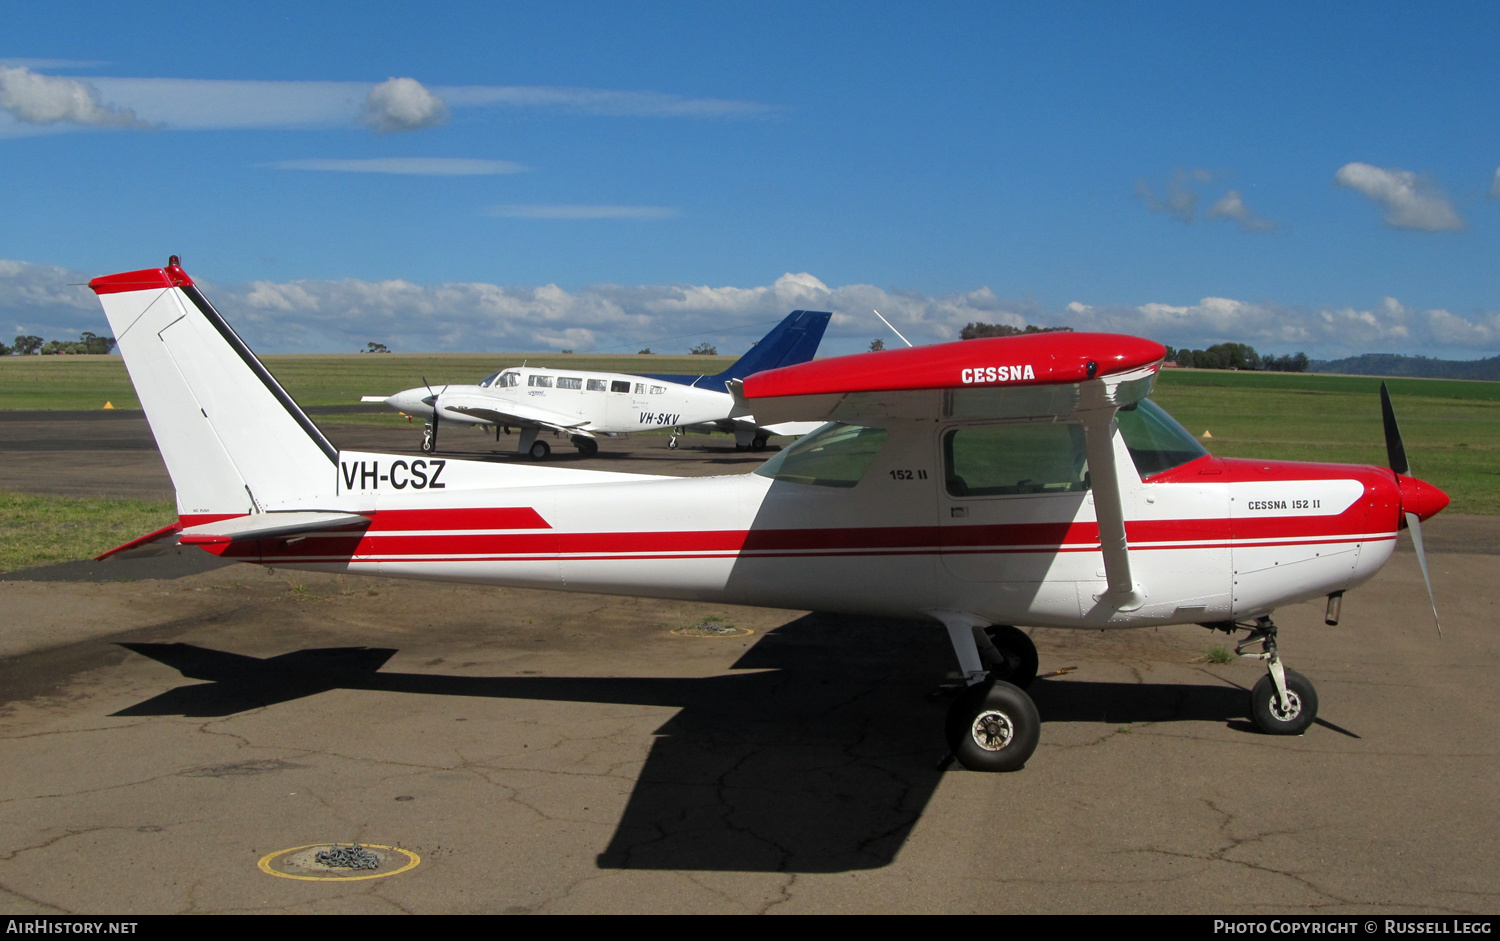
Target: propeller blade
(1395,451)
(432,399)
(1414,524)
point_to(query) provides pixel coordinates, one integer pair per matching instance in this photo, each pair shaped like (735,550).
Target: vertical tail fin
(232,438)
(790,342)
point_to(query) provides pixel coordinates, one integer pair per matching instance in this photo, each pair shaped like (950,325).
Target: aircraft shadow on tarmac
(821,763)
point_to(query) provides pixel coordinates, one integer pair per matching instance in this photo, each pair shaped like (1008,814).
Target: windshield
(1155,441)
(485,382)
(836,455)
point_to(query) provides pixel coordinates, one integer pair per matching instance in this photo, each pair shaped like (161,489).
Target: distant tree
(705,349)
(27,345)
(645,352)
(4,350)
(876,346)
(979,329)
(96,345)
(1294,362)
(565,351)
(1237,356)
(375,348)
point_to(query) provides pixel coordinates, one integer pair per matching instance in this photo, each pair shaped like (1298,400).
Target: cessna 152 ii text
(981,484)
(584,404)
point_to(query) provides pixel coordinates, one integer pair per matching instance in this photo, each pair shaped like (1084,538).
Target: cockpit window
(485,382)
(836,455)
(1155,441)
(509,380)
(1015,458)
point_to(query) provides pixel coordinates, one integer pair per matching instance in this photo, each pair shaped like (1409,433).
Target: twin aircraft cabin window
(510,380)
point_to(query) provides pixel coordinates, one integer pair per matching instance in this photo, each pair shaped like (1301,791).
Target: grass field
(1451,427)
(87,382)
(38,530)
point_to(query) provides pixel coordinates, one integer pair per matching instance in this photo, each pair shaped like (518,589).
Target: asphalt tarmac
(172,729)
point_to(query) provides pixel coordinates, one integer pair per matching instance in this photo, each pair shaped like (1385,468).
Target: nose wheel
(1283,702)
(429,438)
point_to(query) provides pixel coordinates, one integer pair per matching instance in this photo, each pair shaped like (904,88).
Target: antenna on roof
(893,329)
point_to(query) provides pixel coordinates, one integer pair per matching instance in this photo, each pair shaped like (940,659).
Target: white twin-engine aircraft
(979,484)
(582,405)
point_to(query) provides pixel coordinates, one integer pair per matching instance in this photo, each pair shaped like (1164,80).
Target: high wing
(1085,375)
(488,408)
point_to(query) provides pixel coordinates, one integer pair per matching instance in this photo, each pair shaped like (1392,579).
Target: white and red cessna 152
(980,484)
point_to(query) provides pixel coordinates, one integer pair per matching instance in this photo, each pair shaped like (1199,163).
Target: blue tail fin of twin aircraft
(792,341)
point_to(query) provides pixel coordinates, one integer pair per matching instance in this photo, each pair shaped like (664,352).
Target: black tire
(993,726)
(1268,713)
(759,443)
(671,444)
(429,443)
(1018,661)
(587,447)
(540,450)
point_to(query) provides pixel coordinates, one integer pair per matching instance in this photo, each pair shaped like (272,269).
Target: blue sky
(1319,177)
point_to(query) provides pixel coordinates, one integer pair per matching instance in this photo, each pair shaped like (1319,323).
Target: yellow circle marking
(412,859)
(697,631)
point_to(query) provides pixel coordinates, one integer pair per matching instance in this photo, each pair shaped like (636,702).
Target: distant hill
(1416,367)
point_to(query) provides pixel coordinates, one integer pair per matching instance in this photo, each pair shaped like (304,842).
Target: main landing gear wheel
(587,447)
(540,450)
(758,443)
(1292,717)
(993,726)
(1012,657)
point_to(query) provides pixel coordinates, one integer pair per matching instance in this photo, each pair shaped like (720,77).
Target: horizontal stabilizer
(270,525)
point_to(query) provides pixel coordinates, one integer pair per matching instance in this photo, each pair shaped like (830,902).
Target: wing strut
(1123,593)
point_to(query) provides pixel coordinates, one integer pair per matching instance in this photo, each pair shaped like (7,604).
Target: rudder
(233,440)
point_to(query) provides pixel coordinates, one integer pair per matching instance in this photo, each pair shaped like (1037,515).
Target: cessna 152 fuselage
(980,484)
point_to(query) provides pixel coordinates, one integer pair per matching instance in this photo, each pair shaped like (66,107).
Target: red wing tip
(146,279)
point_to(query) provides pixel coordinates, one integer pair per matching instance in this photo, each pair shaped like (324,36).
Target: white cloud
(46,99)
(1232,206)
(343,315)
(602,101)
(1409,201)
(420,166)
(402,104)
(582,212)
(1180,200)
(207,104)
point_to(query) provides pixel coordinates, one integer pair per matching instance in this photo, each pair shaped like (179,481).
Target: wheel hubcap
(1286,712)
(992,730)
